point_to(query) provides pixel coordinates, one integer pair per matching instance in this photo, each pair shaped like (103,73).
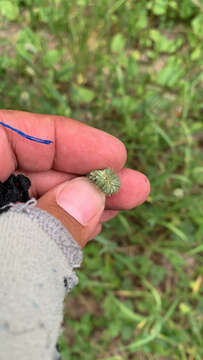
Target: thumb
(78,204)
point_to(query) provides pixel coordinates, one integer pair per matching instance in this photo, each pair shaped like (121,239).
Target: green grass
(133,69)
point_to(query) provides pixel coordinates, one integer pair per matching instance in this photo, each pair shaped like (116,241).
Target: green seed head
(106,180)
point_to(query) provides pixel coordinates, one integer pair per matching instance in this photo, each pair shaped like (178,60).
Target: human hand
(62,165)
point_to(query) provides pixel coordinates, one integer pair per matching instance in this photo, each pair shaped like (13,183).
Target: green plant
(133,69)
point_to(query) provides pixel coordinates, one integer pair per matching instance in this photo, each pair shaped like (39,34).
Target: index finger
(77,147)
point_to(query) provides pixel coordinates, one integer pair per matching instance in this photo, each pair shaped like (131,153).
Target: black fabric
(58,355)
(14,189)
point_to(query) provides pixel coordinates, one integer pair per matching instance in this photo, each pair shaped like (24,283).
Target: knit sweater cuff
(38,257)
(57,232)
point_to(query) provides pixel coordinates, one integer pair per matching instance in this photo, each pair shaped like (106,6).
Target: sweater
(37,258)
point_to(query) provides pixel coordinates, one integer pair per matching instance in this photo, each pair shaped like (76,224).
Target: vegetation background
(135,70)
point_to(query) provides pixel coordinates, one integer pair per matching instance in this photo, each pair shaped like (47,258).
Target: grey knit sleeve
(37,259)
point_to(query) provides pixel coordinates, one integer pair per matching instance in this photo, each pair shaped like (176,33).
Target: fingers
(81,148)
(78,204)
(77,148)
(7,159)
(108,215)
(96,232)
(134,188)
(29,155)
(44,181)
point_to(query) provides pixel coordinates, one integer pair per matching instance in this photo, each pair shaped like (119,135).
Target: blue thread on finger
(29,137)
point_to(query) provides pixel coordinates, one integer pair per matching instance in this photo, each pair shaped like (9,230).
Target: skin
(76,150)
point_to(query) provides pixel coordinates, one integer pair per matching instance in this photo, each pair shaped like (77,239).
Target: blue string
(33,138)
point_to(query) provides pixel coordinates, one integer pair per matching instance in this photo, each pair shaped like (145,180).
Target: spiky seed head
(106,180)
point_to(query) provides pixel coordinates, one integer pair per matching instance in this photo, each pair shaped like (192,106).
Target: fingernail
(81,199)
